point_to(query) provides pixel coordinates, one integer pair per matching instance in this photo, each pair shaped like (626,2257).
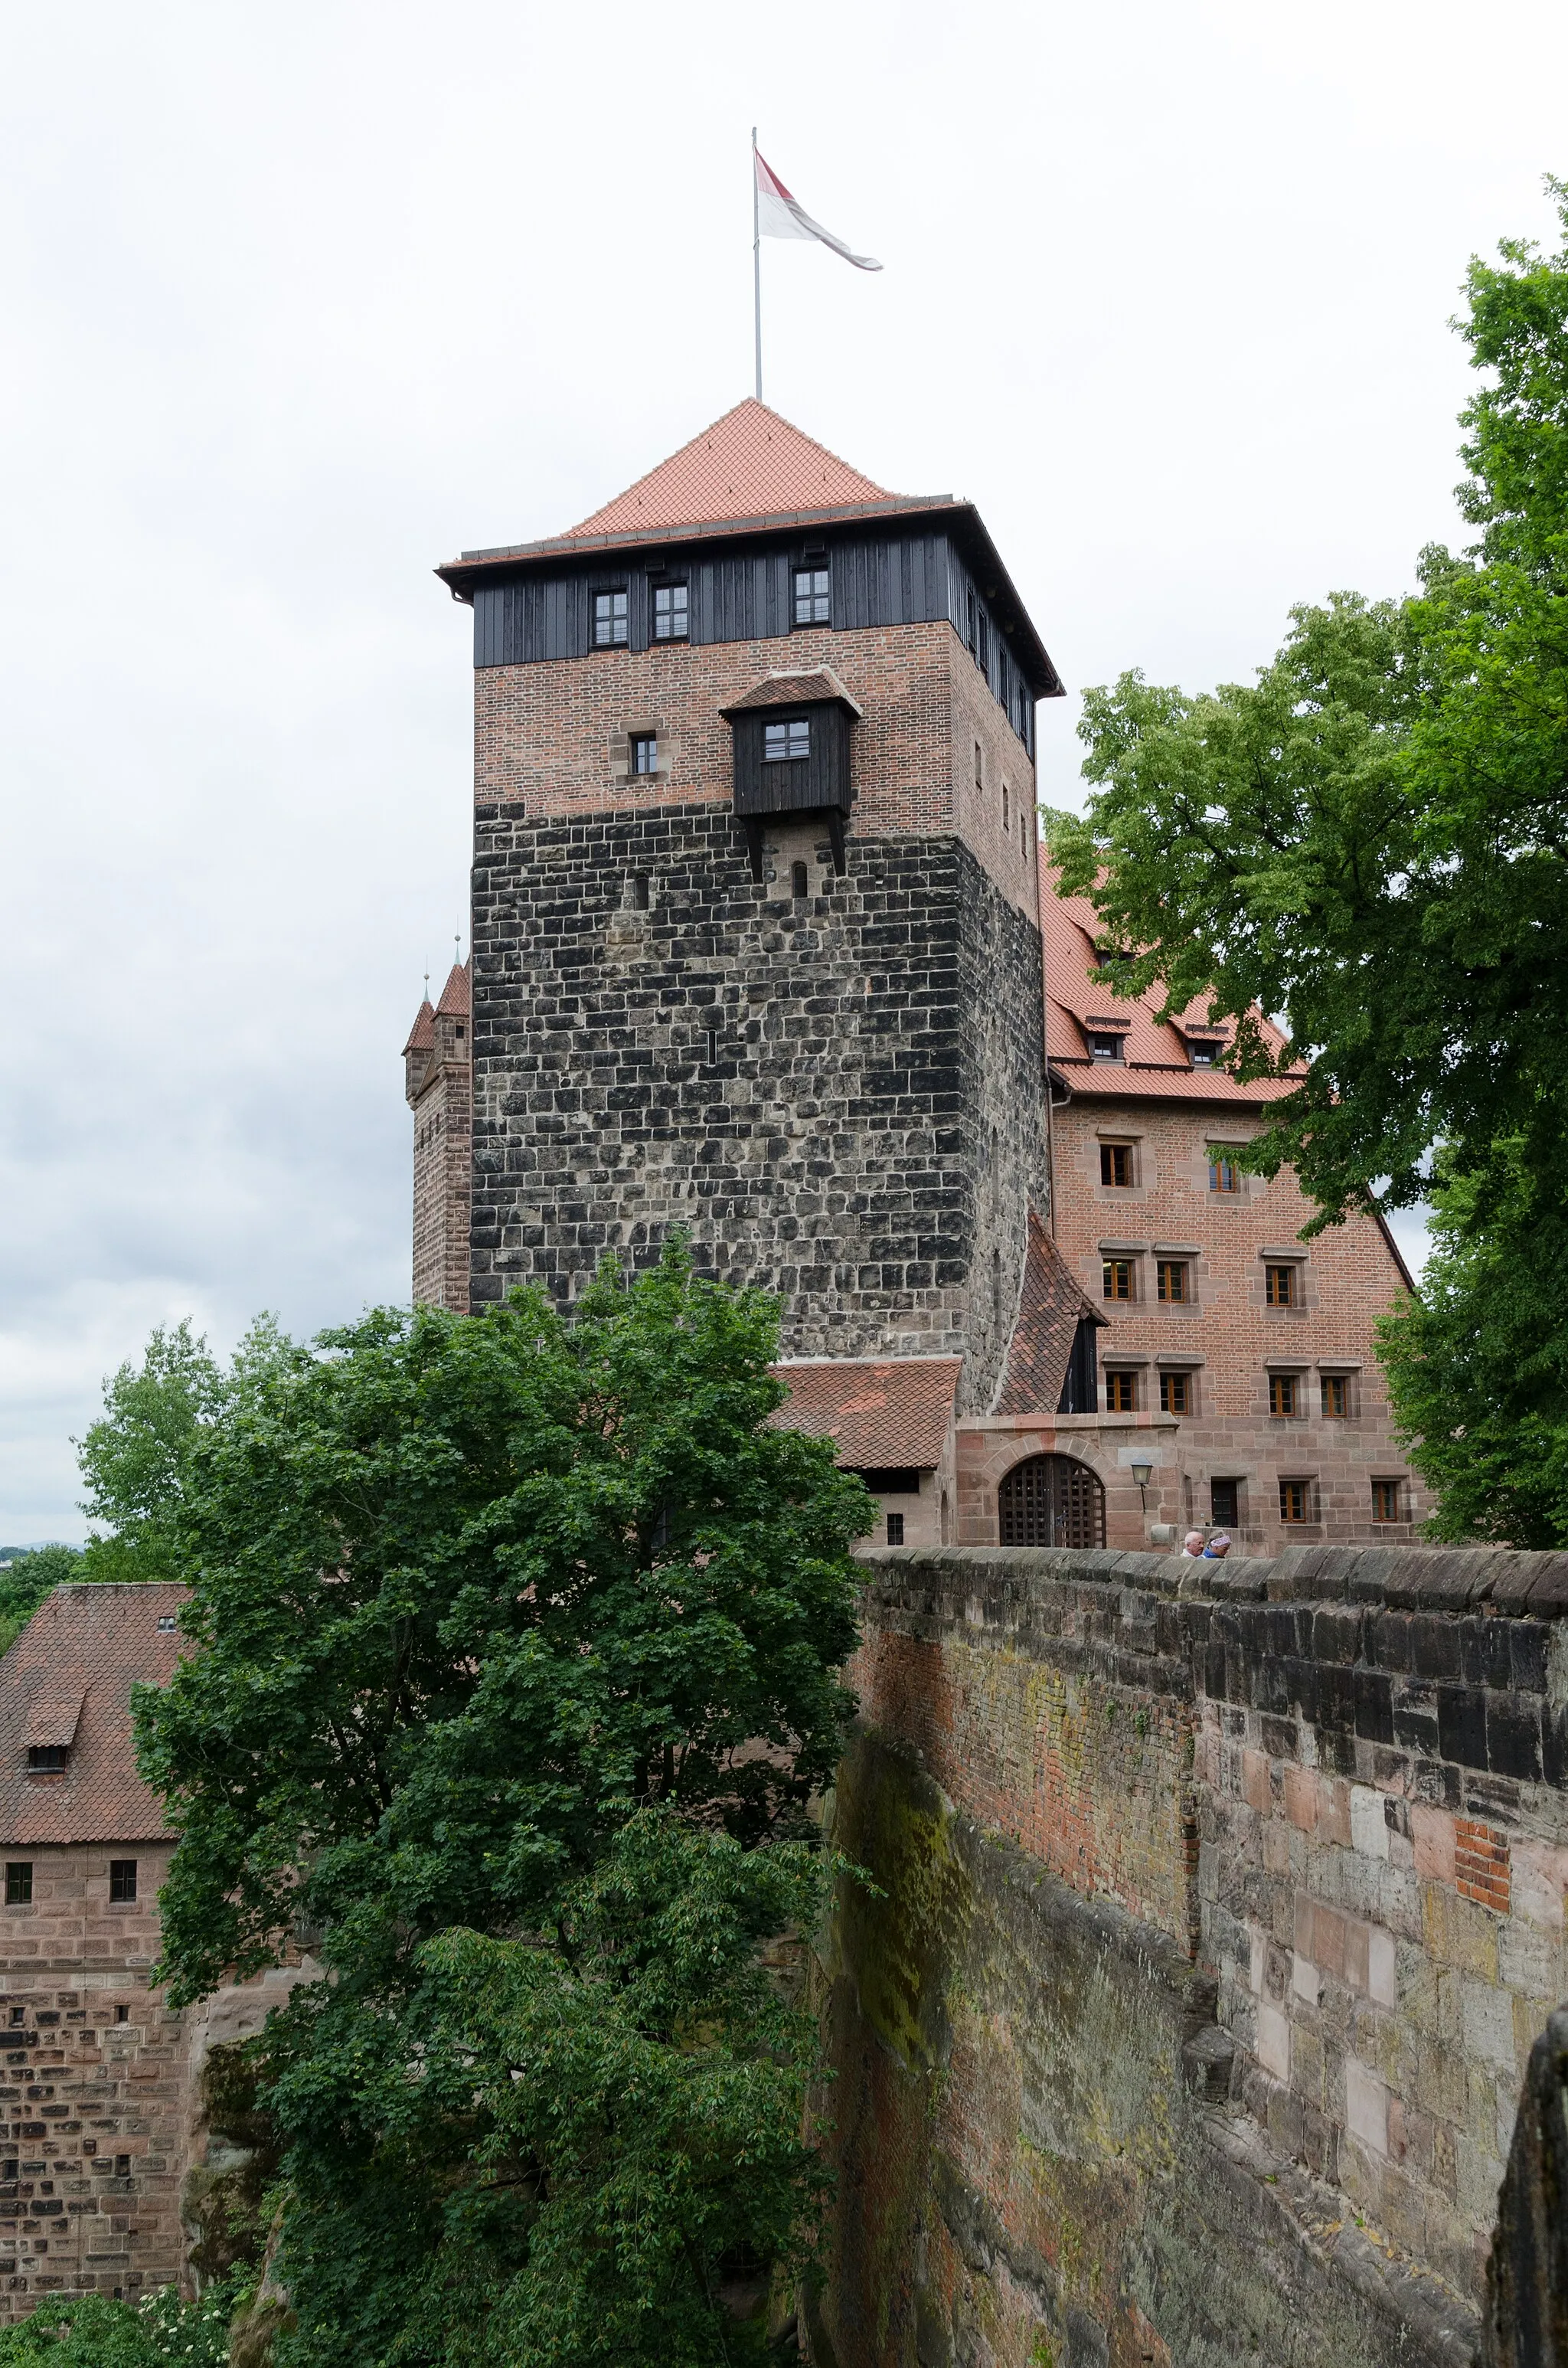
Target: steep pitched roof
(1158,1063)
(887,1412)
(66,1681)
(422,1035)
(1050,1308)
(456,1001)
(750,463)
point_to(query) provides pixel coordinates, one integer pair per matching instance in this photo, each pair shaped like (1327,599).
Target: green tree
(517,1675)
(28,1580)
(1370,842)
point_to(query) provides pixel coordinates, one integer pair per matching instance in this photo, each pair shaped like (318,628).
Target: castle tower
(756,944)
(439,1084)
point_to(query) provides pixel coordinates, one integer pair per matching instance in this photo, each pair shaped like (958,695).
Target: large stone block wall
(837,1095)
(1316,1807)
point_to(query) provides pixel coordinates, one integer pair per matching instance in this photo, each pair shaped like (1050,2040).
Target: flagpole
(755,264)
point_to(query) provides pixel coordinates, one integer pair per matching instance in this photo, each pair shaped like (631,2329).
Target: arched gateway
(1051,1500)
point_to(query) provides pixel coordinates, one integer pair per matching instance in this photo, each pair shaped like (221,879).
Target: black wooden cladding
(747,594)
(810,784)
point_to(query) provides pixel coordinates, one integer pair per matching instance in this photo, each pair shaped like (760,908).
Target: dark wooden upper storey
(896,562)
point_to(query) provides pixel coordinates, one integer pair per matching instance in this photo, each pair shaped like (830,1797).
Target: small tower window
(798,881)
(811,596)
(609,621)
(639,892)
(669,613)
(644,752)
(784,744)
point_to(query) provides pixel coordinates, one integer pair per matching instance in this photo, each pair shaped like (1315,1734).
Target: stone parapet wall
(1333,1786)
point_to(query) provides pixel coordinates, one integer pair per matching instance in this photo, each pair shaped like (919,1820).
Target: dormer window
(1104,1046)
(46,1758)
(811,596)
(669,613)
(610,621)
(1204,1050)
(787,744)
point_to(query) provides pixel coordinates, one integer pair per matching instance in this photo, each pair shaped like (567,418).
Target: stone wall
(837,1094)
(1223,1906)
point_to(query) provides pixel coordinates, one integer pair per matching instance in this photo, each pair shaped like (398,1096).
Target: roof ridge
(687,483)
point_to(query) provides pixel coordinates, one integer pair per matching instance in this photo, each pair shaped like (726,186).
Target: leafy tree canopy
(518,1673)
(1372,841)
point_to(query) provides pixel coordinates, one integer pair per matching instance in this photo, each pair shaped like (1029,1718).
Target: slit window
(18,1887)
(1336,1397)
(787,744)
(1225,1175)
(1121,1393)
(1006,823)
(121,1881)
(1279,1286)
(1170,1280)
(972,616)
(639,892)
(644,752)
(1284,1396)
(798,881)
(1386,1505)
(669,613)
(610,616)
(1116,1166)
(1175,1393)
(1117,1277)
(811,596)
(1295,1500)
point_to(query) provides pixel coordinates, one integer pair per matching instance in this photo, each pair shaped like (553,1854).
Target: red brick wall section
(93,2096)
(443,1138)
(1225,1335)
(551,735)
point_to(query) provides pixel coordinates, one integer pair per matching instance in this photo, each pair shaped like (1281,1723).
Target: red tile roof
(1050,1308)
(892,1412)
(456,1002)
(1157,1064)
(422,1035)
(794,690)
(750,463)
(68,1680)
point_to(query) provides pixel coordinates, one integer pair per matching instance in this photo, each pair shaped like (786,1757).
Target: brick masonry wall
(1347,1278)
(552,737)
(443,1163)
(93,2094)
(836,1095)
(1336,1786)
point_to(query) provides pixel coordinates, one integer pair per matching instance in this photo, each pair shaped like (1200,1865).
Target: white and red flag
(778,215)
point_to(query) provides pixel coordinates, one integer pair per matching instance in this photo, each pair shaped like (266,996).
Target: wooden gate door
(1051,1500)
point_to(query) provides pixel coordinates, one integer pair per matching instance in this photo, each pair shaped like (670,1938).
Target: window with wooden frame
(1335,1397)
(812,598)
(121,1881)
(1117,1277)
(1388,1500)
(1284,1395)
(785,744)
(1121,1393)
(19,1882)
(1175,1392)
(1170,1280)
(1279,1286)
(669,613)
(1116,1166)
(1295,1500)
(896,1529)
(1226,1503)
(1103,1045)
(644,752)
(1225,1175)
(611,621)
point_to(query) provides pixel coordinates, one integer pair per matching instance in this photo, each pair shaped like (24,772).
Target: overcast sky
(299,300)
